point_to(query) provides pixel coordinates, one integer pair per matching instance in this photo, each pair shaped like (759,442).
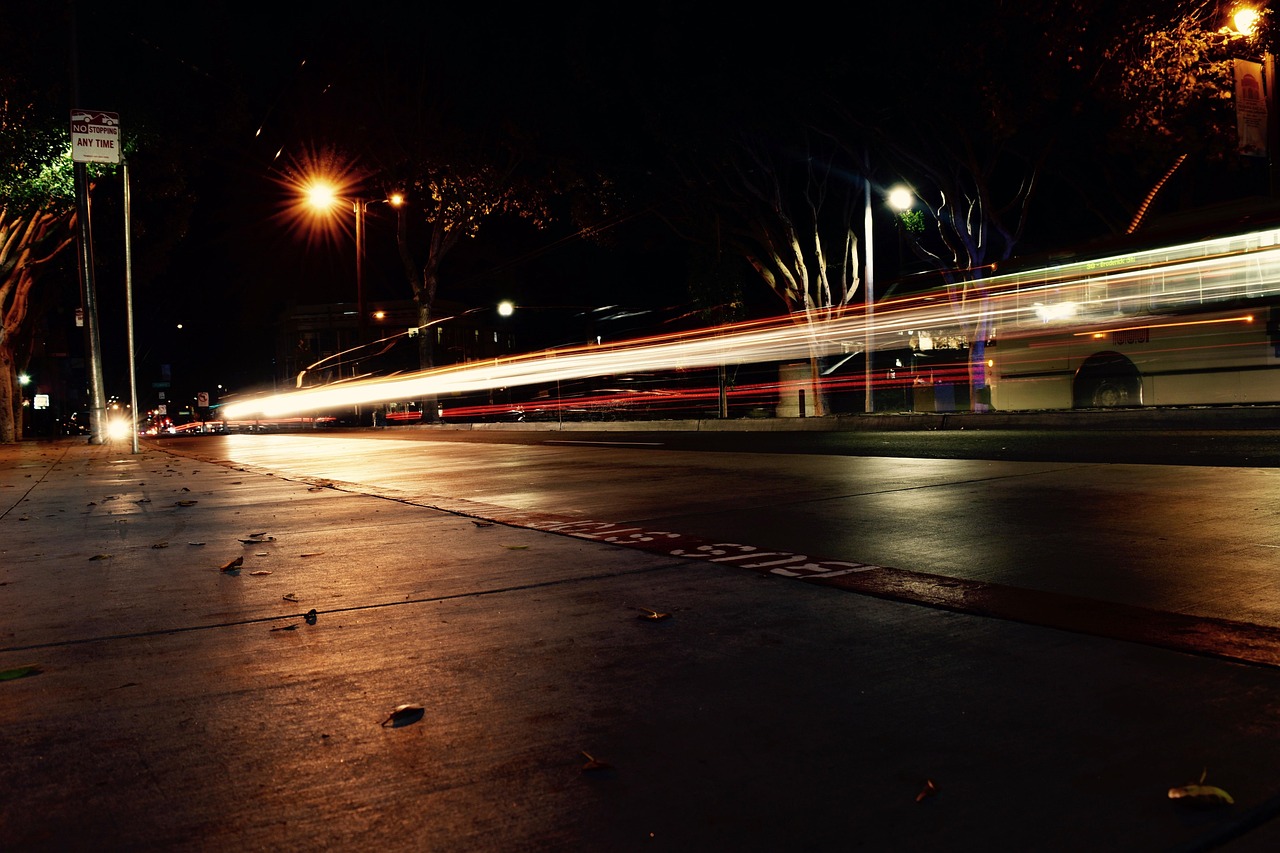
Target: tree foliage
(37,209)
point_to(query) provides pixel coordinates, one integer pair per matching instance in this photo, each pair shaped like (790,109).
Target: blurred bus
(1193,321)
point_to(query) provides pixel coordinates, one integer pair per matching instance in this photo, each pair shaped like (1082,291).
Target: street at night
(572,427)
(608,644)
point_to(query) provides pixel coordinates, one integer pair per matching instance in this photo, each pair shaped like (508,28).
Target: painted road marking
(1201,635)
(1244,642)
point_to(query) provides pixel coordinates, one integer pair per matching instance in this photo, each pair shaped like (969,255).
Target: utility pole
(88,292)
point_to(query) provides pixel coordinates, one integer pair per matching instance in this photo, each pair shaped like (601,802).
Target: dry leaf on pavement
(1201,794)
(653,615)
(404,715)
(232,565)
(594,763)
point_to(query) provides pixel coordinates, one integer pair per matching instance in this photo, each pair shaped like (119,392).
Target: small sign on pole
(95,136)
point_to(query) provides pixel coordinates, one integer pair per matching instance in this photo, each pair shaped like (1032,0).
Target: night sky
(231,97)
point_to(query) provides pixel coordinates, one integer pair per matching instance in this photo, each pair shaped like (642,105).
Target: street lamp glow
(506,308)
(24,379)
(1245,20)
(321,195)
(901,198)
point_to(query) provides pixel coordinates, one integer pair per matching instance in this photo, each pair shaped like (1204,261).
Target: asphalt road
(1047,527)
(1253,448)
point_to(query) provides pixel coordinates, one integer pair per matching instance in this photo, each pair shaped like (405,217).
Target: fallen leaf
(232,566)
(404,715)
(261,554)
(310,617)
(161,545)
(291,597)
(482,523)
(1203,794)
(595,764)
(653,615)
(312,554)
(292,627)
(195,543)
(143,501)
(929,790)
(517,547)
(256,535)
(100,557)
(260,572)
(257,539)
(19,672)
(186,503)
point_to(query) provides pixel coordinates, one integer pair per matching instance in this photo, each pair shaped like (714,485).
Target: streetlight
(900,198)
(1254,91)
(324,196)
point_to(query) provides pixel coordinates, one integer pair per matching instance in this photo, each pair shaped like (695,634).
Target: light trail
(781,339)
(1087,295)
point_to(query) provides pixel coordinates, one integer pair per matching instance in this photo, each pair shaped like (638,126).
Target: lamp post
(1244,23)
(323,196)
(900,198)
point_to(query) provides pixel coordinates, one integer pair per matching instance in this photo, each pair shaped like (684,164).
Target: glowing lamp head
(901,198)
(321,195)
(1245,20)
(506,308)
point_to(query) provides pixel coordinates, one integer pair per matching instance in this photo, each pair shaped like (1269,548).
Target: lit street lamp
(900,198)
(323,196)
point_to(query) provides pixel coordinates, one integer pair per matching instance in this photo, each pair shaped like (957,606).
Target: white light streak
(1086,294)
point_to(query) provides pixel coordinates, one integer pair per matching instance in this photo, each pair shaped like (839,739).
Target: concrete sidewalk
(176,705)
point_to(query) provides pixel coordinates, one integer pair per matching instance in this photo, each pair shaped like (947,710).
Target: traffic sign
(95,136)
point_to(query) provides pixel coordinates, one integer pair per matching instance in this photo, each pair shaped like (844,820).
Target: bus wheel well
(1107,380)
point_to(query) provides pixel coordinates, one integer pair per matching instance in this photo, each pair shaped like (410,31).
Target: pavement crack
(674,565)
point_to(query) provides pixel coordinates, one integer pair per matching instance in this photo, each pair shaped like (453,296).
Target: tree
(450,201)
(37,212)
(789,212)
